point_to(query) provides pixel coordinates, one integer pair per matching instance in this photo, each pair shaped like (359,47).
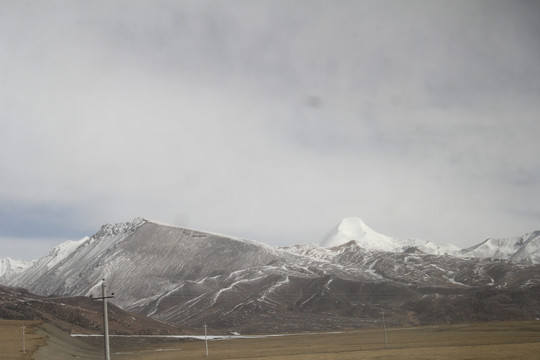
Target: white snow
(272,289)
(208,337)
(194,301)
(233,285)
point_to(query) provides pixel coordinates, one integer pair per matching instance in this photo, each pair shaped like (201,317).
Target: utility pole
(206,339)
(384,327)
(23,345)
(105,319)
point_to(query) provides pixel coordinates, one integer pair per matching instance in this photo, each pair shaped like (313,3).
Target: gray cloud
(273,120)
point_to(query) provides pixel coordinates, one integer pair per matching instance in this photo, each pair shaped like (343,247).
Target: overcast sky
(269,120)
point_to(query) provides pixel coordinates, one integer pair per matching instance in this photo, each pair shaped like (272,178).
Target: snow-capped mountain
(354,229)
(10,268)
(189,277)
(525,249)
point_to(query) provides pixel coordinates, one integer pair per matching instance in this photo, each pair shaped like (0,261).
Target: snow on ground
(203,337)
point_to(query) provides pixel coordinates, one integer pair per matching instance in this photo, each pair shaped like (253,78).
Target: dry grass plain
(11,339)
(497,340)
(507,340)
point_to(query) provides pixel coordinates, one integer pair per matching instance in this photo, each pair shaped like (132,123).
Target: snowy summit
(353,228)
(356,229)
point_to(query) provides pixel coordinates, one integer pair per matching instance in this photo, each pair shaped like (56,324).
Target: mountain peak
(354,228)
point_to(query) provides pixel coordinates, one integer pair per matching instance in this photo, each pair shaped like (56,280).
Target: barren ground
(500,340)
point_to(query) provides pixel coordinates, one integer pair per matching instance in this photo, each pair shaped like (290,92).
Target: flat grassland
(496,340)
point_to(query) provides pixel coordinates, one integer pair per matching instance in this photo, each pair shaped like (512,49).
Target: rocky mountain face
(188,278)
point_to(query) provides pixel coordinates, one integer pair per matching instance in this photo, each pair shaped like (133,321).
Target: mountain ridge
(524,248)
(188,278)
